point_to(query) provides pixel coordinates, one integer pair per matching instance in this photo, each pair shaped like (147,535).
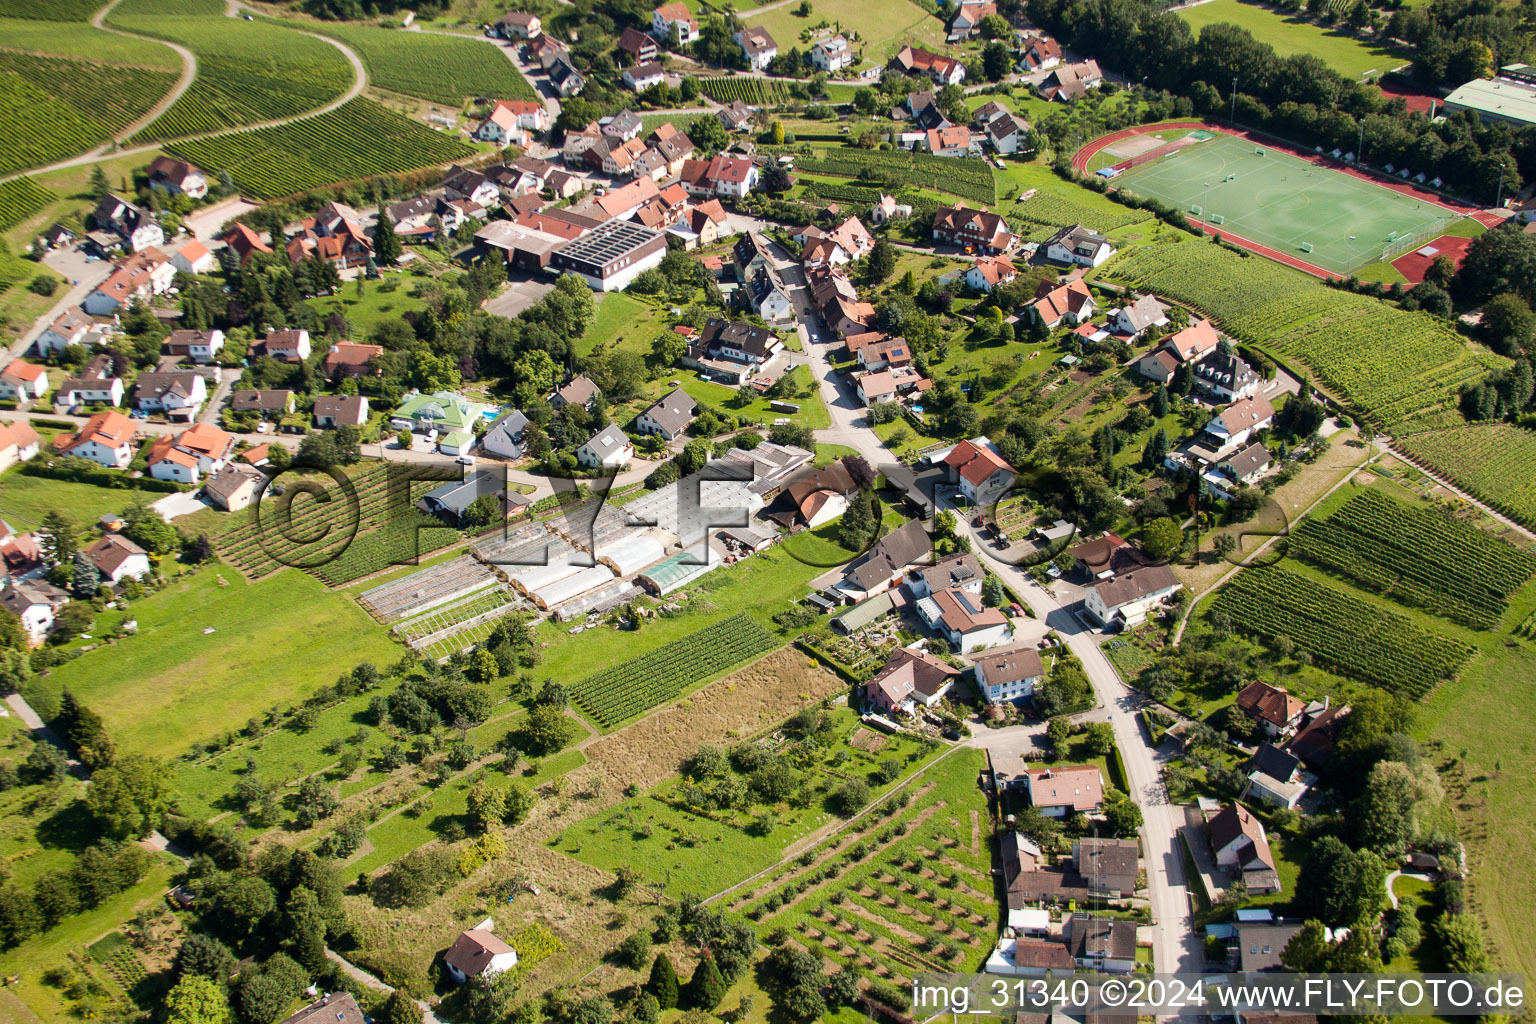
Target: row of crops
(42,127)
(864,195)
(247,71)
(1340,631)
(357,140)
(1417,557)
(1059,211)
(1496,462)
(20,198)
(441,68)
(1391,362)
(112,95)
(966,178)
(755,92)
(641,683)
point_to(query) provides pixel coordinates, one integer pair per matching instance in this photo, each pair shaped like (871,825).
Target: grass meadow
(1347,55)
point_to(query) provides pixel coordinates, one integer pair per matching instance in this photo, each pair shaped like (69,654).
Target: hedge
(101,478)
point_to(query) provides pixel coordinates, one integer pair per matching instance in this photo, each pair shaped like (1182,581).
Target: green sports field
(1330,219)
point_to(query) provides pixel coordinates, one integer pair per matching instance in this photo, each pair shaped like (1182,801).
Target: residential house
(886,353)
(622,127)
(887,210)
(960,571)
(757,46)
(545,49)
(731,175)
(130,226)
(463,183)
(609,448)
(1314,741)
(1259,945)
(1008,673)
(234,487)
(890,385)
(140,276)
(737,117)
(179,394)
(909,678)
(343,244)
(961,618)
(953,141)
(1240,421)
(443,411)
(351,359)
(518,25)
(917,61)
(341,411)
(171,175)
(990,271)
(1065,790)
(117,558)
(832,54)
(769,297)
(70,327)
(451,500)
(967,20)
(288,346)
(1069,82)
(977,229)
(980,472)
(21,556)
(816,498)
(1247,465)
(1107,556)
(668,416)
(731,352)
(18,443)
(1041,53)
(1110,866)
(245,243)
(884,564)
(96,384)
(579,390)
(57,236)
(1226,377)
(268,403)
(1007,134)
(479,953)
(1080,245)
(1241,846)
(505,436)
(195,346)
(643,76)
(640,46)
(564,184)
(751,253)
(1135,318)
(1102,944)
(106,439)
(22,381)
(194,258)
(1193,343)
(1126,600)
(674,24)
(412,217)
(1066,304)
(1275,710)
(612,255)
(1275,777)
(196,452)
(35,603)
(500,126)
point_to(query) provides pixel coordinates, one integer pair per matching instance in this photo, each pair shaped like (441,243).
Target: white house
(341,410)
(990,271)
(1135,318)
(140,276)
(116,558)
(193,258)
(289,346)
(196,452)
(22,381)
(731,175)
(106,439)
(1240,421)
(979,471)
(34,602)
(505,436)
(70,328)
(669,416)
(172,175)
(643,76)
(1127,599)
(757,46)
(831,55)
(1080,245)
(478,953)
(179,394)
(1240,844)
(609,448)
(1008,673)
(196,346)
(96,385)
(961,618)
(668,17)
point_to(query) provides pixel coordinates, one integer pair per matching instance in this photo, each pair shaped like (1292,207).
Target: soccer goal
(1305,247)
(1260,152)
(1217,218)
(1196,211)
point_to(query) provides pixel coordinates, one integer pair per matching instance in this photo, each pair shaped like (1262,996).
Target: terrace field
(441,68)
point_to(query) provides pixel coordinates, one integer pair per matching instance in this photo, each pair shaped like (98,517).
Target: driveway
(204,224)
(180,503)
(522,292)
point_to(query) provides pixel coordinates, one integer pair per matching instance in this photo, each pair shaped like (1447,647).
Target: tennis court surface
(1333,220)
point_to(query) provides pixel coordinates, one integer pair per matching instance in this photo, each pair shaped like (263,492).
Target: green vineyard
(356,140)
(968,179)
(51,10)
(1496,462)
(1059,211)
(1390,362)
(20,198)
(441,68)
(111,95)
(639,684)
(754,92)
(1340,631)
(1416,557)
(247,71)
(86,42)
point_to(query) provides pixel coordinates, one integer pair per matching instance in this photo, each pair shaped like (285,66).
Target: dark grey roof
(457,495)
(892,553)
(1110,938)
(673,412)
(1274,762)
(510,427)
(336,1008)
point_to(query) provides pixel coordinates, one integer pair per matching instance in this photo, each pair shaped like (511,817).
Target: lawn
(813,413)
(268,643)
(622,322)
(25,500)
(366,304)
(705,853)
(1347,55)
(883,26)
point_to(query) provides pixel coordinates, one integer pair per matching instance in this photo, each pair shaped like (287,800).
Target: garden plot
(427,589)
(862,651)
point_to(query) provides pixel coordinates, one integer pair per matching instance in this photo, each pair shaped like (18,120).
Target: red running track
(1081,159)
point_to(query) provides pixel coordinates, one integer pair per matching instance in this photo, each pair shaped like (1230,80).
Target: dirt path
(359,83)
(188,72)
